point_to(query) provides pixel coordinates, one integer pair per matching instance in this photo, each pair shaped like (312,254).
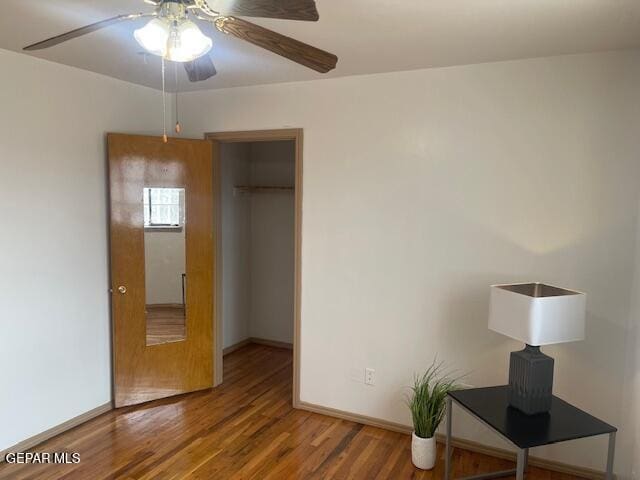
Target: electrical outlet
(369,376)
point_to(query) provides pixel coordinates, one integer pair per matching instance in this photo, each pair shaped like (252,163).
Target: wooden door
(141,167)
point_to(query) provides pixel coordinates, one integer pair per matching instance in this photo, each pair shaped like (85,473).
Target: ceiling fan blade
(287,47)
(200,69)
(78,32)
(284,9)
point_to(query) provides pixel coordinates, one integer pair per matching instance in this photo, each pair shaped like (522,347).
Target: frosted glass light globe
(181,43)
(153,37)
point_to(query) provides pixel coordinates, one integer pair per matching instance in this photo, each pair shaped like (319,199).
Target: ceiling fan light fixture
(173,36)
(178,40)
(154,37)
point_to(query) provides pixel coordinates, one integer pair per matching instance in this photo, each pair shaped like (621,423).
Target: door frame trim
(292,134)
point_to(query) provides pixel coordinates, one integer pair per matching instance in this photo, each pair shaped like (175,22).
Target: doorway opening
(257,177)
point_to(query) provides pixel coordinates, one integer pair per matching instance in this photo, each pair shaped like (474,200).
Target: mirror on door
(165,264)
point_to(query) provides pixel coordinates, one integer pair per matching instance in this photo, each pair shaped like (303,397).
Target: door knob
(122,289)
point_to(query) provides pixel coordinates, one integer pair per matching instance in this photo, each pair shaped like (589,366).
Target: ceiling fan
(173,34)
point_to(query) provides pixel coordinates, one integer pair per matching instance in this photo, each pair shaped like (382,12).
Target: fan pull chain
(178,126)
(165,139)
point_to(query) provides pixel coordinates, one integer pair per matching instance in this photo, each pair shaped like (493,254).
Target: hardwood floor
(165,324)
(245,428)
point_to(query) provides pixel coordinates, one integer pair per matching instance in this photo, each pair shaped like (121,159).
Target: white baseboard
(36,440)
(456,442)
(271,343)
(259,341)
(236,346)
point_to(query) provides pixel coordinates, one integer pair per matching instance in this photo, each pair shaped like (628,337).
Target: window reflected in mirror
(165,264)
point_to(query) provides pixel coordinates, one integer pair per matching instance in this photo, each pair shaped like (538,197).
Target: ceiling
(368,36)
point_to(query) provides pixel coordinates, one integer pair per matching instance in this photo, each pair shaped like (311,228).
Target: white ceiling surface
(368,36)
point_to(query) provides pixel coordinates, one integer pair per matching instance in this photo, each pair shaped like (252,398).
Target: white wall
(165,262)
(236,243)
(54,324)
(272,242)
(632,390)
(423,188)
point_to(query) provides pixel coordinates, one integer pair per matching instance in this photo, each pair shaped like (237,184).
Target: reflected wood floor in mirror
(244,429)
(165,323)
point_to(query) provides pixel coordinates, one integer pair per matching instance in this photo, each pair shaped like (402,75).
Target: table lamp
(535,314)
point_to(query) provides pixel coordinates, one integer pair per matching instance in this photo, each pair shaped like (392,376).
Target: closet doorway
(258,202)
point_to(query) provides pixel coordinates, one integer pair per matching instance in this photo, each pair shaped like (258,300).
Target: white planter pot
(423,452)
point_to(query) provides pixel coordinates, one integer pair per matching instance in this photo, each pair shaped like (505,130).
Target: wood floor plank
(244,429)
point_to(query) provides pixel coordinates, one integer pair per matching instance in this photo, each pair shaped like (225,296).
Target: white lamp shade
(537,314)
(153,37)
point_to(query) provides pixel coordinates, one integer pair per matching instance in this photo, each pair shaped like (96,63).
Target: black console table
(564,422)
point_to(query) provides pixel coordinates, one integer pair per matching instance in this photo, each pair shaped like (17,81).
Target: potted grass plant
(427,402)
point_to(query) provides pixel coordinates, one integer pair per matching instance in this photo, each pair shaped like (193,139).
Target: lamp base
(531,381)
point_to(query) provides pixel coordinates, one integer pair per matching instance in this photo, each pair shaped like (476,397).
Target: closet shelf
(264,188)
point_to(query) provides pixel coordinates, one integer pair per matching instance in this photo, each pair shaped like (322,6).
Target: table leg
(611,454)
(520,465)
(526,459)
(447,449)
